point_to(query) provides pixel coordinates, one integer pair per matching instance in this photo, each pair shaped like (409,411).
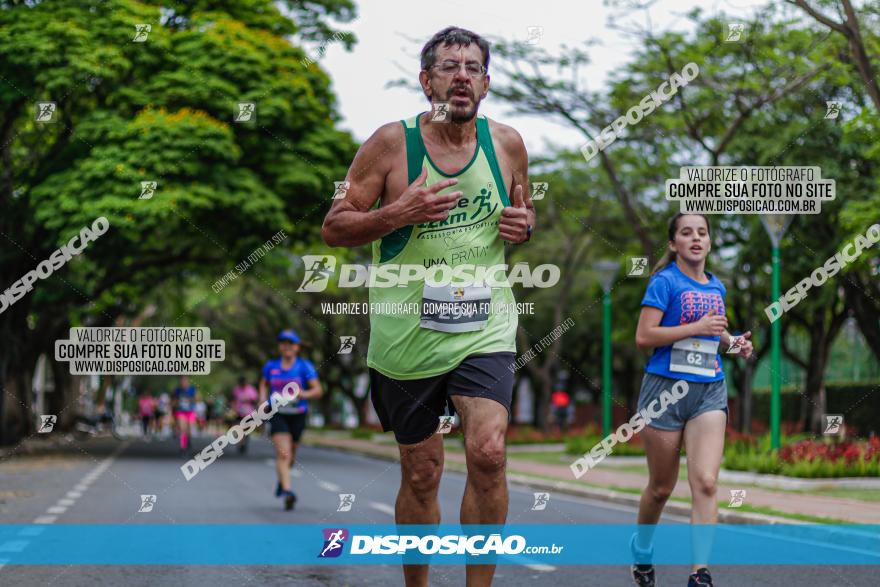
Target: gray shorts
(700,398)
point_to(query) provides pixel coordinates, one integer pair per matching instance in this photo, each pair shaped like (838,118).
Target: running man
(244,402)
(287,425)
(683,320)
(451,185)
(185,398)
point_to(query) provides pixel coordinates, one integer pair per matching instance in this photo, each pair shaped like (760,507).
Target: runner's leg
(421,465)
(484,423)
(283,443)
(704,438)
(183,426)
(663,448)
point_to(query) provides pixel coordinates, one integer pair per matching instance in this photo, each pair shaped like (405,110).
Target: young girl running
(683,320)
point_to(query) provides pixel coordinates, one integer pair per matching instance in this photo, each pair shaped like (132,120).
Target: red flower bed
(847,451)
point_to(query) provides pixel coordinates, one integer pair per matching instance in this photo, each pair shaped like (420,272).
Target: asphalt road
(100,482)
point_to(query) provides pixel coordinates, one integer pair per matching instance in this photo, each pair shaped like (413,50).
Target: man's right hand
(420,203)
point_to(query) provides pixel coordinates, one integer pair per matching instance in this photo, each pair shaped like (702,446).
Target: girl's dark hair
(669,257)
(453,36)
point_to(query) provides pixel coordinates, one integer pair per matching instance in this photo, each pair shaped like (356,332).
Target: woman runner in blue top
(287,425)
(683,320)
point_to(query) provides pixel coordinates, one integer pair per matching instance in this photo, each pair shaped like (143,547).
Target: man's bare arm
(514,223)
(351,222)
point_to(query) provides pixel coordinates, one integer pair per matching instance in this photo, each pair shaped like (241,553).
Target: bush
(805,457)
(591,436)
(362,433)
(532,435)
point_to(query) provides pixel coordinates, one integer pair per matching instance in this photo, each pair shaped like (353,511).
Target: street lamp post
(775,225)
(606,271)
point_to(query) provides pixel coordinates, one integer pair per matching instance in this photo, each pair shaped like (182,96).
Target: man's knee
(422,476)
(486,456)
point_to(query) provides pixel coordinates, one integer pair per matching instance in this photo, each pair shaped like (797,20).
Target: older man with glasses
(451,186)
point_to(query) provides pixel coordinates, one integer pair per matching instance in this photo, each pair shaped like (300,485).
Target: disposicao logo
(334,541)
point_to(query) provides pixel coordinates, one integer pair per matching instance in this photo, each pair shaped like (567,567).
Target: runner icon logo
(637,266)
(440,112)
(833,109)
(45,111)
(445,425)
(141,32)
(47,423)
(334,541)
(539,190)
(346,345)
(148,188)
(341,188)
(833,424)
(737,497)
(734,32)
(147,503)
(318,270)
(246,112)
(541,500)
(736,344)
(346,501)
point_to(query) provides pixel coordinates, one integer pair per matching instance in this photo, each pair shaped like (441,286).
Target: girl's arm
(650,334)
(314,391)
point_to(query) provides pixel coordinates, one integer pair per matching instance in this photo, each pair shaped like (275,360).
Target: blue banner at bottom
(595,544)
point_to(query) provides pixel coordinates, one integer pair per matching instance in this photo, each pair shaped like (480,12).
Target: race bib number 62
(694,355)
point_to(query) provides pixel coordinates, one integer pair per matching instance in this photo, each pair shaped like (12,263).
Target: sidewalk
(600,483)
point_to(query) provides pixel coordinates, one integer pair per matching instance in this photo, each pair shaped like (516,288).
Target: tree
(161,110)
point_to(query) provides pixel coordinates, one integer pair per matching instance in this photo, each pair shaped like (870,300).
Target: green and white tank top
(401,347)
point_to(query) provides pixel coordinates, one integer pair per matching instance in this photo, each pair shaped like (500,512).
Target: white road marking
(382,507)
(332,487)
(71,496)
(541,567)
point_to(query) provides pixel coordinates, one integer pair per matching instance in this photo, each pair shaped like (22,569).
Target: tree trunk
(542,388)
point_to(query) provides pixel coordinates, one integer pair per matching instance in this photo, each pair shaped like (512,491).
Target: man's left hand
(514,224)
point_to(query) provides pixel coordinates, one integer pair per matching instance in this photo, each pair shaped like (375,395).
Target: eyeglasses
(472,68)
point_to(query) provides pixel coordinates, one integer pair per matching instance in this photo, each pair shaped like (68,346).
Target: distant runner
(244,401)
(185,397)
(287,425)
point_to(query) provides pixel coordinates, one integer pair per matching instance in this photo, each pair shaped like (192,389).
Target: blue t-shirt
(186,398)
(683,301)
(302,371)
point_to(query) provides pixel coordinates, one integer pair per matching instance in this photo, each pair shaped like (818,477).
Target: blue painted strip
(584,544)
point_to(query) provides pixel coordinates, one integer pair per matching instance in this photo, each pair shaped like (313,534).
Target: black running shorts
(292,424)
(412,407)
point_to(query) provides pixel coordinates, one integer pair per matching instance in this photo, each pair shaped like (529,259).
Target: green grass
(556,458)
(552,458)
(870,495)
(756,509)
